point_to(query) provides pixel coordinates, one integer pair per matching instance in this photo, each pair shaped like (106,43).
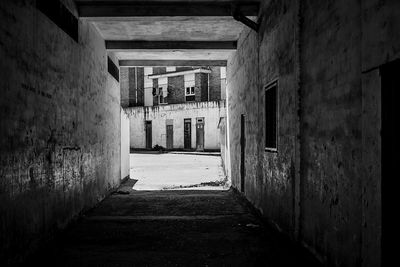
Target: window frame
(191,91)
(267,87)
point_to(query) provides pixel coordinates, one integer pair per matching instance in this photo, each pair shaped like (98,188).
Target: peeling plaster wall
(212,111)
(322,187)
(59,128)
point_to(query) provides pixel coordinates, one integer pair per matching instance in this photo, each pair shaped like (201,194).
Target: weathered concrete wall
(59,127)
(380,44)
(331,130)
(322,186)
(125,144)
(211,111)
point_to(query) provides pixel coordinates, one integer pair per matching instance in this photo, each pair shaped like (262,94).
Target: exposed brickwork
(132,87)
(215,84)
(159,70)
(155,98)
(183,68)
(176,92)
(197,87)
(124,82)
(140,87)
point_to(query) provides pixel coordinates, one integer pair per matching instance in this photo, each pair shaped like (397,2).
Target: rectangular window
(271,119)
(189,87)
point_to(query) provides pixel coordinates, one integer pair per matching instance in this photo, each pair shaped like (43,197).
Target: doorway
(148,129)
(170,136)
(390,84)
(200,134)
(187,133)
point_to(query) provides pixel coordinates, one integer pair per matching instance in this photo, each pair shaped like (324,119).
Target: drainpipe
(136,84)
(208,86)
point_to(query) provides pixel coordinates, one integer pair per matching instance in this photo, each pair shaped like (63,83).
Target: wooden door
(187,134)
(148,135)
(200,134)
(170,136)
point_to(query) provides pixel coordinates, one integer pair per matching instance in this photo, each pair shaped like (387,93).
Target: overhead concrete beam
(161,8)
(178,63)
(132,45)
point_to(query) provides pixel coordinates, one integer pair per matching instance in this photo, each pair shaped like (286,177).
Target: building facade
(178,108)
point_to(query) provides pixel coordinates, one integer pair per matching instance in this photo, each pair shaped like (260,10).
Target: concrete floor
(171,228)
(172,170)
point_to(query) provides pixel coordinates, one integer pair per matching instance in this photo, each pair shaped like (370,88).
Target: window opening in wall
(189,87)
(271,119)
(162,90)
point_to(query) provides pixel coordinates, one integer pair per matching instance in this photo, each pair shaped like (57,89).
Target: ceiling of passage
(168,28)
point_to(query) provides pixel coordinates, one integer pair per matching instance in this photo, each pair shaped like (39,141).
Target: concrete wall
(125,144)
(59,127)
(211,111)
(322,187)
(380,44)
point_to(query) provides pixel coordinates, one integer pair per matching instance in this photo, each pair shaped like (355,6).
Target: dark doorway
(170,136)
(187,139)
(390,78)
(148,135)
(242,150)
(200,134)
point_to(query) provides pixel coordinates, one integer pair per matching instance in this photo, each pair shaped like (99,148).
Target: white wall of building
(125,146)
(212,111)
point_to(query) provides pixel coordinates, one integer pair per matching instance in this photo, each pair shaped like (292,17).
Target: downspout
(136,84)
(208,86)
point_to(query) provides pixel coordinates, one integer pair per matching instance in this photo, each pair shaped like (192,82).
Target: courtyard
(169,171)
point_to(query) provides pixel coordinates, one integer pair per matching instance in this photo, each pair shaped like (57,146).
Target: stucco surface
(211,111)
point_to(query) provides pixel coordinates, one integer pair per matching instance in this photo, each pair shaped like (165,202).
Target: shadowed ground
(171,228)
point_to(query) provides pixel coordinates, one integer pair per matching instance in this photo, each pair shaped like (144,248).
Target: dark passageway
(295,98)
(172,228)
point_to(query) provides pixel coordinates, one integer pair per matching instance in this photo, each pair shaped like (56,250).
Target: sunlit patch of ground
(169,171)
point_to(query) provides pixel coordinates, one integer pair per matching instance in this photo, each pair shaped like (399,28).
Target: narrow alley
(116,115)
(171,228)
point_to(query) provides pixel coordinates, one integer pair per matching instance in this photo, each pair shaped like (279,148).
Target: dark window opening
(190,98)
(271,116)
